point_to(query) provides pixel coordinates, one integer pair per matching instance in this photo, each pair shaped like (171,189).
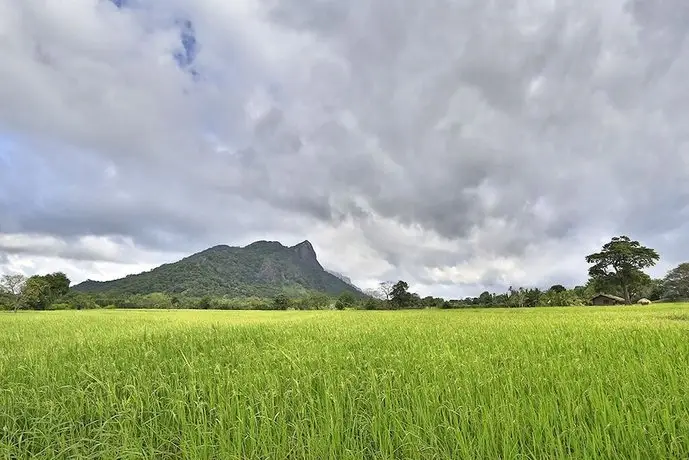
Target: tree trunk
(626,294)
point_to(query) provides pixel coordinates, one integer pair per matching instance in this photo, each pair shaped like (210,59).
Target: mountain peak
(305,243)
(264,244)
(305,251)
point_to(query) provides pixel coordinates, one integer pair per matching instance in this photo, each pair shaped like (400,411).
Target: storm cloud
(460,145)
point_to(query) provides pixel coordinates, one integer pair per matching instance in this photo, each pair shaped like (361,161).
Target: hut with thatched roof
(607,299)
(644,301)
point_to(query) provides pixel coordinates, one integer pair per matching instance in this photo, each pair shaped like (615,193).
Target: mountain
(263,268)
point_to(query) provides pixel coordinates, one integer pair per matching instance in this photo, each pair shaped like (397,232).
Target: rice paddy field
(604,382)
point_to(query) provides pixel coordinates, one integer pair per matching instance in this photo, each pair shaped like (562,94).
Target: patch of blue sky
(185,57)
(8,148)
(186,54)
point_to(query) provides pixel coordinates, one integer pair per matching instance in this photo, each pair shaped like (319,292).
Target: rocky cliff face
(305,252)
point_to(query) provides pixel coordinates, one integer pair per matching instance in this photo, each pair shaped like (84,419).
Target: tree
(585,292)
(156,300)
(565,298)
(620,263)
(12,285)
(655,290)
(557,288)
(485,299)
(500,300)
(676,282)
(314,301)
(430,302)
(174,301)
(79,301)
(516,297)
(59,284)
(400,296)
(204,303)
(374,304)
(36,293)
(385,289)
(414,300)
(281,302)
(532,297)
(346,300)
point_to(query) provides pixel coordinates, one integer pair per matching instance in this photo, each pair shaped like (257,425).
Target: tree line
(35,293)
(617,269)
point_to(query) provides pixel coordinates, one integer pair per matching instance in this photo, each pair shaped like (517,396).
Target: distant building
(607,299)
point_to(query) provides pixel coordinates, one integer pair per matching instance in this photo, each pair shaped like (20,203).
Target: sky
(459,145)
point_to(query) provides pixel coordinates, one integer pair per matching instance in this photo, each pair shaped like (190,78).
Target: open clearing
(608,382)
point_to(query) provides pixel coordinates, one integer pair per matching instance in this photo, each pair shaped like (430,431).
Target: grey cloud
(68,253)
(662,30)
(491,68)
(72,198)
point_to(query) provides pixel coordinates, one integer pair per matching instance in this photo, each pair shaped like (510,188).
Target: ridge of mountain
(262,268)
(344,278)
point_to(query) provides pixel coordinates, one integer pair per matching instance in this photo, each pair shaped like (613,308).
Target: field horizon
(548,382)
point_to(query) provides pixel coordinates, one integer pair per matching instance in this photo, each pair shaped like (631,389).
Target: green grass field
(609,382)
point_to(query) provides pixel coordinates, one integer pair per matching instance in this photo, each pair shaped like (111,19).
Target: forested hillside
(263,269)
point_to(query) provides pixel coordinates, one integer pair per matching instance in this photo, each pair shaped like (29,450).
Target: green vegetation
(676,283)
(573,383)
(619,266)
(274,277)
(37,292)
(261,269)
(346,300)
